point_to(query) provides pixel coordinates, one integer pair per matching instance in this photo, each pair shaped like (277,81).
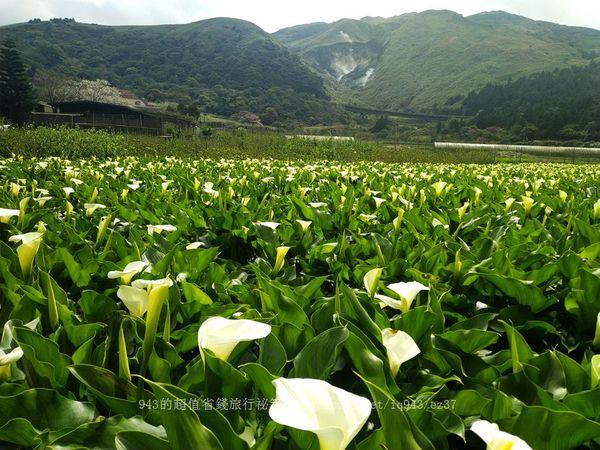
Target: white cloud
(274,14)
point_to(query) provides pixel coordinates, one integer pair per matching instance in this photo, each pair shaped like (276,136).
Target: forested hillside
(561,104)
(221,65)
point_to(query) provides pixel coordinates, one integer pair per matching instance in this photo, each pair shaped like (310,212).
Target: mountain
(429,61)
(223,65)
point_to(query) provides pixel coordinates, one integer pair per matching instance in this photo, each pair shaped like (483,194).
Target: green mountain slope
(427,61)
(183,63)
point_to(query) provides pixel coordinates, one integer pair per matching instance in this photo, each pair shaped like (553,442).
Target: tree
(91,91)
(16,93)
(382,123)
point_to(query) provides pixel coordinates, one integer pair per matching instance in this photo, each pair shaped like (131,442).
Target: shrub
(63,142)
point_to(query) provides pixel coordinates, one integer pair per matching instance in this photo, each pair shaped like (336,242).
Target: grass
(243,144)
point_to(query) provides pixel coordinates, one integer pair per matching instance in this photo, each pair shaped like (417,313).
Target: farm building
(87,114)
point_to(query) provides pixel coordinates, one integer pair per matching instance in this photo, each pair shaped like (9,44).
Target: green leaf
(319,357)
(400,432)
(137,440)
(117,394)
(562,430)
(471,341)
(102,432)
(519,349)
(193,293)
(272,354)
(44,357)
(19,431)
(183,426)
(524,293)
(43,409)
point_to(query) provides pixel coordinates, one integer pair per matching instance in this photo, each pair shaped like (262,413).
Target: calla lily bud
(14,189)
(563,196)
(496,439)
(94,195)
(280,258)
(400,347)
(398,220)
(597,210)
(221,335)
(371,280)
(457,263)
(22,209)
(596,342)
(68,209)
(333,414)
(595,371)
(102,227)
(478,193)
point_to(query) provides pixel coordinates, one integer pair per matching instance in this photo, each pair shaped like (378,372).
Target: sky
(272,15)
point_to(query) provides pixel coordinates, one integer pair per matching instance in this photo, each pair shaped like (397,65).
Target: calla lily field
(165,303)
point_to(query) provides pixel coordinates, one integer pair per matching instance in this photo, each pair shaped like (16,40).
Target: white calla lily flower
(272,225)
(407,291)
(384,301)
(160,228)
(13,356)
(304,224)
(91,207)
(371,280)
(378,201)
(400,347)
(6,214)
(30,244)
(496,439)
(221,335)
(527,203)
(333,414)
(280,258)
(136,297)
(195,245)
(68,191)
(128,272)
(6,360)
(151,284)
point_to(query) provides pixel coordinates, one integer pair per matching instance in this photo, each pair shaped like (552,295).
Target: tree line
(558,105)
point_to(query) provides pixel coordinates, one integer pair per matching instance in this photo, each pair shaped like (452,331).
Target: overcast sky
(272,15)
